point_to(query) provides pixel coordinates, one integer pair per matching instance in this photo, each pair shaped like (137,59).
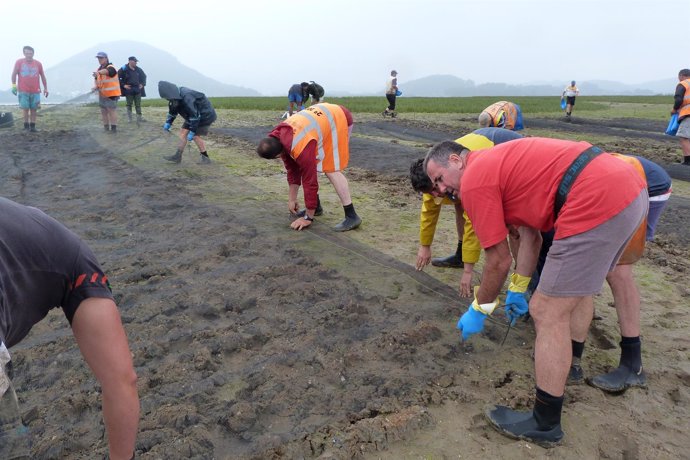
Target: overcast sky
(351,45)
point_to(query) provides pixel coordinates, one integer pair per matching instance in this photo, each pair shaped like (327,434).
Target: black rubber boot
(686,161)
(575,376)
(175,158)
(32,127)
(204,159)
(619,380)
(629,372)
(454,261)
(522,425)
(350,223)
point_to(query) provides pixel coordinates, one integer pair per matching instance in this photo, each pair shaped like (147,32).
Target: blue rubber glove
(167,126)
(190,136)
(471,322)
(14,89)
(516,306)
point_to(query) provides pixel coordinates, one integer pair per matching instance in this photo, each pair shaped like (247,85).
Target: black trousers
(391,101)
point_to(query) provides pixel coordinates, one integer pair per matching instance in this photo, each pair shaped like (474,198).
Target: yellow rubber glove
(485,308)
(519,283)
(14,89)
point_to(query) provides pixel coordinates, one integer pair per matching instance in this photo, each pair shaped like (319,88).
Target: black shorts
(571,100)
(202,130)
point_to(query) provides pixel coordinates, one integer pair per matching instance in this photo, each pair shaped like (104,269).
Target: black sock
(350,210)
(547,410)
(578,349)
(459,250)
(631,353)
(204,153)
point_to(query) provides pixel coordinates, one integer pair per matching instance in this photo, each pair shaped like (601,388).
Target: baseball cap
(132,58)
(101,54)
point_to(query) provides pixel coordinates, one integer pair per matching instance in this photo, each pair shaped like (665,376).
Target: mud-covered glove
(167,126)
(190,135)
(14,89)
(516,304)
(472,321)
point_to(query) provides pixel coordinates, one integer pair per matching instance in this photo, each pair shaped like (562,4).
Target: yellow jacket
(431,209)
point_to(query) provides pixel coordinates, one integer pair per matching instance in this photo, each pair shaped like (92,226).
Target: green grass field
(653,107)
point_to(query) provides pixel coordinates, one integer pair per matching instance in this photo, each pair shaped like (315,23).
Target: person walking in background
(295,97)
(681,106)
(26,85)
(391,94)
(313,90)
(314,140)
(108,87)
(197,112)
(44,266)
(570,93)
(502,114)
(133,86)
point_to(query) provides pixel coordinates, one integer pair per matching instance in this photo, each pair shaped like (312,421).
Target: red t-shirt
(515,183)
(28,74)
(302,171)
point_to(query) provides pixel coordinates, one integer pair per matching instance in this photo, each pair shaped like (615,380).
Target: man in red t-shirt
(314,140)
(538,184)
(27,87)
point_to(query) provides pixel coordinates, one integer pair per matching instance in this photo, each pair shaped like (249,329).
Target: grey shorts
(684,128)
(108,102)
(577,266)
(202,130)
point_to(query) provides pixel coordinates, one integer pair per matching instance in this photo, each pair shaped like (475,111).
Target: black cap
(132,58)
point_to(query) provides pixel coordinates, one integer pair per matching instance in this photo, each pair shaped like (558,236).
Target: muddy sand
(253,341)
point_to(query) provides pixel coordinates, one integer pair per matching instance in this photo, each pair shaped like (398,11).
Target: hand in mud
(423,257)
(471,322)
(300,224)
(466,284)
(293,207)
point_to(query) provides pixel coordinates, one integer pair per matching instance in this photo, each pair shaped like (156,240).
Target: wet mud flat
(251,341)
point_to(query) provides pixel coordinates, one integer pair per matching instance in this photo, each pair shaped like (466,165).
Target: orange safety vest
(108,86)
(503,114)
(684,110)
(327,125)
(633,251)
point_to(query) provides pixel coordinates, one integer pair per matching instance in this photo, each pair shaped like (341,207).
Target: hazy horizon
(352,46)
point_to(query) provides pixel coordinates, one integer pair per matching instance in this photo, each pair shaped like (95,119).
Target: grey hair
(440,153)
(484,120)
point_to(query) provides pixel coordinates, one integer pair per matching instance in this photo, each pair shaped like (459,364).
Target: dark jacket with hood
(134,78)
(191,105)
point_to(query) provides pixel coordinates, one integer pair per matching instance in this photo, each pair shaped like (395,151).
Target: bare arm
(101,338)
(498,261)
(528,255)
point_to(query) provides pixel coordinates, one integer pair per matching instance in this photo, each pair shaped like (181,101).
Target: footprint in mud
(600,339)
(613,443)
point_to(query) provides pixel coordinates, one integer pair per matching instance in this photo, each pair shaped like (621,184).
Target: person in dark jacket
(313,90)
(197,112)
(133,86)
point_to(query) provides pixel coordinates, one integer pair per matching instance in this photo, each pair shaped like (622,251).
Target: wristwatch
(306,217)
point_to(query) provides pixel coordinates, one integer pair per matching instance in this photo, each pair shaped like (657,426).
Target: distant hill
(72,77)
(452,86)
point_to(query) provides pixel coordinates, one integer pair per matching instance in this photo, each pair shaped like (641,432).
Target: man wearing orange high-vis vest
(108,87)
(314,140)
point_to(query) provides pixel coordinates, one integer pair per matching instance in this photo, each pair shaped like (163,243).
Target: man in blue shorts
(44,265)
(295,98)
(26,85)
